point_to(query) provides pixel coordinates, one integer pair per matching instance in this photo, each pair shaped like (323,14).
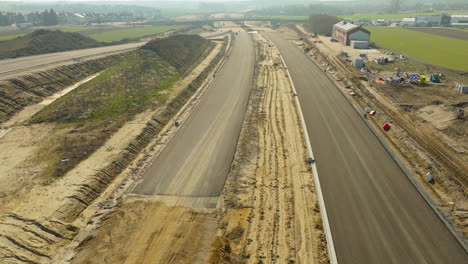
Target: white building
(408,22)
(459,21)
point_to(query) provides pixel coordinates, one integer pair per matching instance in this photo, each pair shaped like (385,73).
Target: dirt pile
(45,41)
(181,51)
(18,93)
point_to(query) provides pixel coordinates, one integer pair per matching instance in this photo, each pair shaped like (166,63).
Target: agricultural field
(399,16)
(8,37)
(432,49)
(444,32)
(78,29)
(116,35)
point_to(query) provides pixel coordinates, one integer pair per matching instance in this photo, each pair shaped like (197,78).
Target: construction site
(232,142)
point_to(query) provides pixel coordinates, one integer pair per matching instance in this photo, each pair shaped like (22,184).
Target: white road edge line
(318,188)
(384,142)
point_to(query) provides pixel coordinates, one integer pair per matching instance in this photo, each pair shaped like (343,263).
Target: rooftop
(346,26)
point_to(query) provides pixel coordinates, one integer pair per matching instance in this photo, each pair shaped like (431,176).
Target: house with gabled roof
(345,32)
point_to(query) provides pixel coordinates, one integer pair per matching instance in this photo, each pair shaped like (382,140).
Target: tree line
(52,18)
(44,18)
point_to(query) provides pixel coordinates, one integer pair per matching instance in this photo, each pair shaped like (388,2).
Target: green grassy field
(3,38)
(77,29)
(399,16)
(440,51)
(460,29)
(117,35)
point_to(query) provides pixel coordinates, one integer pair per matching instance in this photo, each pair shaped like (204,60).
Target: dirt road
(196,162)
(376,214)
(10,68)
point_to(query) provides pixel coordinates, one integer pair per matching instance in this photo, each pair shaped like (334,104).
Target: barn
(346,32)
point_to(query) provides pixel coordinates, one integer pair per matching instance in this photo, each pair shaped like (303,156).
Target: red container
(386,127)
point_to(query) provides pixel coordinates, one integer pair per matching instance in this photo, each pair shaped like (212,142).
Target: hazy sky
(120,0)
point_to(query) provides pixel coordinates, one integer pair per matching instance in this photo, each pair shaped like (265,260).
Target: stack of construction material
(461,88)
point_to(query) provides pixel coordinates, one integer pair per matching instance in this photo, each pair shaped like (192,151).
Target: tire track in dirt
(271,213)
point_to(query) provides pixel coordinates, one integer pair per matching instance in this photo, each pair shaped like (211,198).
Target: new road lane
(376,215)
(10,68)
(196,161)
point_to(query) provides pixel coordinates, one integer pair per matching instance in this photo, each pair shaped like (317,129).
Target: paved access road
(376,215)
(196,161)
(10,68)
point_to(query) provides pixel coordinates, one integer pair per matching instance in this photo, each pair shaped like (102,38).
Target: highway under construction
(252,155)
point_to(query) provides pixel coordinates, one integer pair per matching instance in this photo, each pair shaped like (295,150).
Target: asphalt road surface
(376,215)
(196,161)
(10,68)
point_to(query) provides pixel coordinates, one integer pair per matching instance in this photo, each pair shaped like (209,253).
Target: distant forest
(44,18)
(51,18)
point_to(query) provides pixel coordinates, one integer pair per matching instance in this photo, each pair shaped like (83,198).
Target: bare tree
(322,24)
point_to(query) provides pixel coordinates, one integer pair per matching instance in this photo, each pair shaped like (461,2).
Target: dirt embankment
(148,231)
(16,94)
(270,210)
(186,240)
(45,41)
(52,208)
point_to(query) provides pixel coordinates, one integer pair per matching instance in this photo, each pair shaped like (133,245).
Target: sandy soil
(288,31)
(143,231)
(19,145)
(259,26)
(227,15)
(225,26)
(271,213)
(440,116)
(53,205)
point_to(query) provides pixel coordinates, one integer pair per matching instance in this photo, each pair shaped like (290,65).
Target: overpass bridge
(211,21)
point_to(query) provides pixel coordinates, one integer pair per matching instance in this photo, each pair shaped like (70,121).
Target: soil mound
(181,51)
(45,41)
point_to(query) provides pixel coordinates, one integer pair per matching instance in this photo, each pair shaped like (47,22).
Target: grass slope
(73,29)
(130,33)
(398,16)
(437,50)
(45,41)
(77,29)
(180,51)
(123,90)
(95,110)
